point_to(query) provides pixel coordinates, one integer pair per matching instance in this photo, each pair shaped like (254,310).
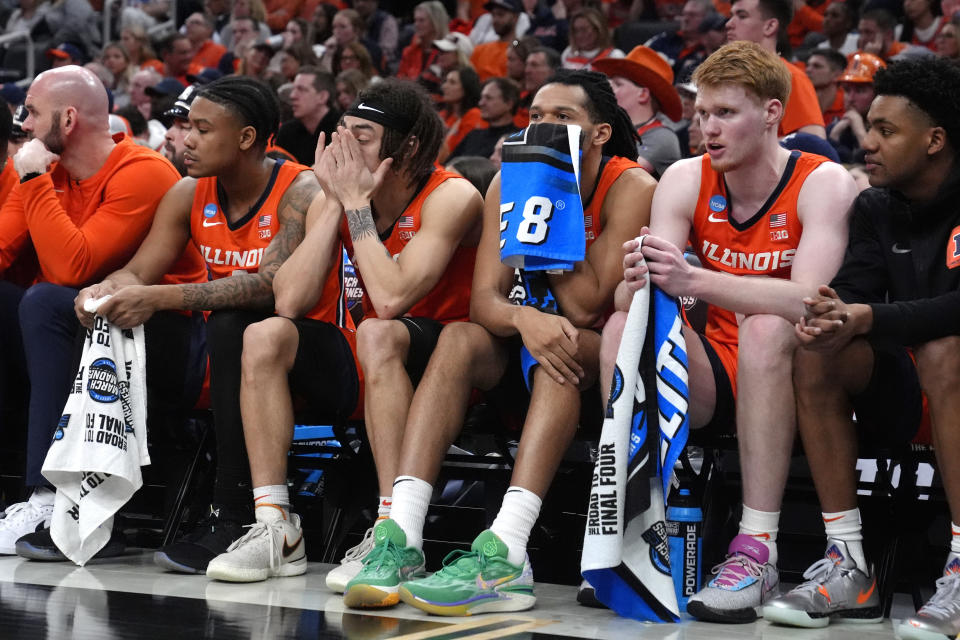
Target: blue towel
(541,214)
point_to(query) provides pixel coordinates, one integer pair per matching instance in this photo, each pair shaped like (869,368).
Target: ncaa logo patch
(102,381)
(210,210)
(718,203)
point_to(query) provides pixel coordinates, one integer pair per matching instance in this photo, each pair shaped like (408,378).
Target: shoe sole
(46,554)
(798,618)
(164,561)
(337,580)
(240,574)
(702,612)
(907,632)
(499,602)
(368,596)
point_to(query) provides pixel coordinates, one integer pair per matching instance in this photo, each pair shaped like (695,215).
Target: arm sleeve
(74,254)
(862,278)
(917,321)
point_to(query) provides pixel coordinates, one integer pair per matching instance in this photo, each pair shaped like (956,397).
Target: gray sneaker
(940,617)
(834,588)
(743,582)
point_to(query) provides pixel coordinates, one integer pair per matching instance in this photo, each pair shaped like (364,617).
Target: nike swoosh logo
(863,597)
(288,548)
(711,218)
(897,249)
(832,519)
(365,107)
(760,536)
(211,224)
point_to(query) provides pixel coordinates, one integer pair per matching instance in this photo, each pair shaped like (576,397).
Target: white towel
(101,441)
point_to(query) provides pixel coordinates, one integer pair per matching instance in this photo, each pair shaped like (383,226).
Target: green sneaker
(389,563)
(480,581)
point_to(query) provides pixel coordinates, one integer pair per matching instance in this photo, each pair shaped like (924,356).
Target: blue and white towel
(101,441)
(625,552)
(541,213)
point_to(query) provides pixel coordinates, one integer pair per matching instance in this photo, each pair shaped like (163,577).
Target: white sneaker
(271,548)
(22,518)
(351,564)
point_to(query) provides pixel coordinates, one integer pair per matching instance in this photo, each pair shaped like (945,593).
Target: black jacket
(903,259)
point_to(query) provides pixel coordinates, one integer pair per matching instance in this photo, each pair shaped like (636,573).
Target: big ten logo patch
(953,249)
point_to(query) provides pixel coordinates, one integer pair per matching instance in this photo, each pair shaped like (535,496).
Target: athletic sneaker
(22,518)
(352,563)
(389,563)
(745,580)
(211,537)
(940,617)
(272,547)
(40,546)
(835,588)
(478,581)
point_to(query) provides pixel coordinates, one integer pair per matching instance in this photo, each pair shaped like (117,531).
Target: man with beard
(173,146)
(490,58)
(84,202)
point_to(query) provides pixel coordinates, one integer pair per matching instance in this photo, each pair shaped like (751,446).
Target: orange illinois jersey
(764,245)
(230,246)
(449,300)
(611,169)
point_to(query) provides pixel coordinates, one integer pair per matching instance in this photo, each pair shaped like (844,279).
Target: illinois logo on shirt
(953,249)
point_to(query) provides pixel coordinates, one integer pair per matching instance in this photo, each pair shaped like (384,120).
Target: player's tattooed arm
(361,223)
(255,290)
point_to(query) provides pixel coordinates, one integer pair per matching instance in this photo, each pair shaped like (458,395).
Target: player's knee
(267,344)
(938,365)
(43,300)
(458,344)
(766,340)
(225,330)
(610,339)
(380,341)
(810,371)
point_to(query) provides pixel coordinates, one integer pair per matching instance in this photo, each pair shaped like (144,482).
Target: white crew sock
(411,499)
(515,520)
(763,527)
(271,501)
(954,543)
(846,526)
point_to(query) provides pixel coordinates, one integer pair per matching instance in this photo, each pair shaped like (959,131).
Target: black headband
(376,112)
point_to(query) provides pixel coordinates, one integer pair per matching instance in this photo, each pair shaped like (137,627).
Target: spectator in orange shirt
(589,40)
(807,18)
(461,94)
(847,135)
(84,202)
(823,68)
(876,29)
(279,12)
(206,52)
(8,176)
(761,21)
(177,54)
(490,58)
(429,23)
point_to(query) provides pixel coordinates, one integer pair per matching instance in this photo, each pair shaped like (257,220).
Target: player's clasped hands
(828,323)
(553,341)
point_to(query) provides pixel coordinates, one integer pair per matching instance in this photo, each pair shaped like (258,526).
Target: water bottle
(684,531)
